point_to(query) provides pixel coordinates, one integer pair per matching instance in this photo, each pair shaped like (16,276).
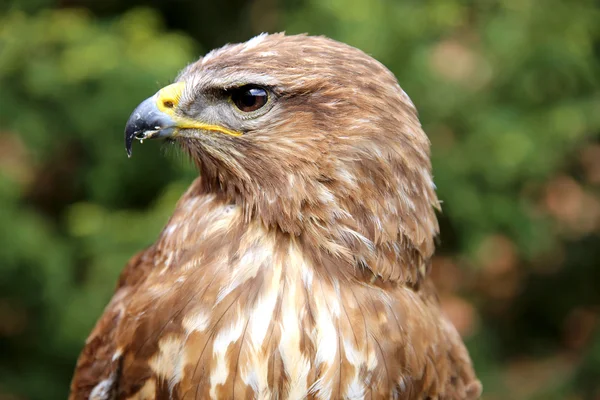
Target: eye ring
(249,98)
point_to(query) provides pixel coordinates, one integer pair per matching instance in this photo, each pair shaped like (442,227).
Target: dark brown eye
(249,98)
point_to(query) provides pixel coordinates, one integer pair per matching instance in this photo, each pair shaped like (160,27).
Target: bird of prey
(296,265)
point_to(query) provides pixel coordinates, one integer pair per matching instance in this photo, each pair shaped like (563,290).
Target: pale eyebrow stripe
(243,78)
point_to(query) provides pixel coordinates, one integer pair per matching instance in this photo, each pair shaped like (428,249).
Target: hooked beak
(158,116)
(148,122)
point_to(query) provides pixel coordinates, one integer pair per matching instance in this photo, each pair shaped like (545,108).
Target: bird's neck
(344,248)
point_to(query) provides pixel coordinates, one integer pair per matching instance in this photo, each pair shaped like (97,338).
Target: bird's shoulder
(97,369)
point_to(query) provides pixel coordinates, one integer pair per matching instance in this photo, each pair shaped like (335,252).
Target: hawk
(296,265)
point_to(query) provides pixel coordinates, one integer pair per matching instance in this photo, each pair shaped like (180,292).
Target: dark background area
(508,92)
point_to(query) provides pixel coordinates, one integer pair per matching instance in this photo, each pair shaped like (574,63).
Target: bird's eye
(249,98)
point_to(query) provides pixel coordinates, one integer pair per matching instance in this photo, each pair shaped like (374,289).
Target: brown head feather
(340,160)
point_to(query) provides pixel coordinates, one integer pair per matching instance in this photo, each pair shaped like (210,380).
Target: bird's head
(305,133)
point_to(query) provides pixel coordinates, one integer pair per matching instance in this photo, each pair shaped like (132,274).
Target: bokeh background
(508,91)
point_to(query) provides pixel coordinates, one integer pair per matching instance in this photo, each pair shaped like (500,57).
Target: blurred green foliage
(508,91)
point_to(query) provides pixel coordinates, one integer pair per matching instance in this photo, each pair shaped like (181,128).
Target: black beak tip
(129,136)
(135,126)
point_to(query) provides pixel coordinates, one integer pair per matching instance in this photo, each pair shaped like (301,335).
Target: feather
(296,265)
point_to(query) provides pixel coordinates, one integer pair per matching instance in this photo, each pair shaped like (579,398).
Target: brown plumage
(296,265)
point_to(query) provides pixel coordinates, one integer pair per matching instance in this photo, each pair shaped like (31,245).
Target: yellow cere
(168,97)
(167,100)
